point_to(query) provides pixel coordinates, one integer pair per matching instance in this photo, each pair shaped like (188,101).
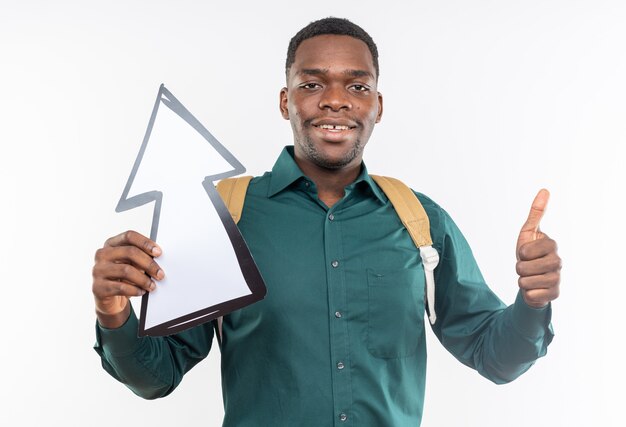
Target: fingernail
(156,251)
(160,275)
(152,286)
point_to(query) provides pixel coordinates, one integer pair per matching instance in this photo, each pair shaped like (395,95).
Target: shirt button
(335,264)
(343,417)
(340,365)
(331,217)
(307,184)
(338,314)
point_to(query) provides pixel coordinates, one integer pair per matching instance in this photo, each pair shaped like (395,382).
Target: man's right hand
(124,267)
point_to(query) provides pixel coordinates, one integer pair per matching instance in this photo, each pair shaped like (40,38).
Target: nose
(335,98)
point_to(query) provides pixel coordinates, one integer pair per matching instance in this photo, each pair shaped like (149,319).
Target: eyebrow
(313,71)
(359,73)
(324,71)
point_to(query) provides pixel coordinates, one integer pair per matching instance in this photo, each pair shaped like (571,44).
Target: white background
(485,103)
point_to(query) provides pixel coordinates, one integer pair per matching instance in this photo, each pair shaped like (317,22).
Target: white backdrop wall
(485,103)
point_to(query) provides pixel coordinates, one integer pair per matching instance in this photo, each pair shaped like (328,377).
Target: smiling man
(332,103)
(340,338)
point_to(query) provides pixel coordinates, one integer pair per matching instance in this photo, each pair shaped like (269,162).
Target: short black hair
(335,26)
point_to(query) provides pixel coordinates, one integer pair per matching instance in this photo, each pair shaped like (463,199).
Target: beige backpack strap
(414,218)
(408,208)
(233,193)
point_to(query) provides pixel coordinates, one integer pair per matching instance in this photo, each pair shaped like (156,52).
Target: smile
(334,128)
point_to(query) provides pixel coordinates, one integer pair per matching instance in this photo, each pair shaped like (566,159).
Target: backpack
(407,206)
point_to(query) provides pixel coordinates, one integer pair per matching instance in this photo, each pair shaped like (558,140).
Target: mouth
(335,133)
(333,126)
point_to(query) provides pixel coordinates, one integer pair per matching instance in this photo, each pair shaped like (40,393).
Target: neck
(330,183)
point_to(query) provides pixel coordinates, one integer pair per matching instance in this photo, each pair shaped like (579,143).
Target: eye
(360,88)
(310,86)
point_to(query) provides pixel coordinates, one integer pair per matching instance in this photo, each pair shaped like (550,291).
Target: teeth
(334,127)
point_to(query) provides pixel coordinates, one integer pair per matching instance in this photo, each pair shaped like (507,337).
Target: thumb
(530,229)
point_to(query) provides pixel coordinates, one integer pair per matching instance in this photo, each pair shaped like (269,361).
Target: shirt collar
(285,172)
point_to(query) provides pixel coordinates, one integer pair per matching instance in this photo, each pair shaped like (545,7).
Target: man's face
(331,100)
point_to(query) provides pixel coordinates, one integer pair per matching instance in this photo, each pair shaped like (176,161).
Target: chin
(332,155)
(335,160)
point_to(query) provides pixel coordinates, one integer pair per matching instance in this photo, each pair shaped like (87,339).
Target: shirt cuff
(120,341)
(530,321)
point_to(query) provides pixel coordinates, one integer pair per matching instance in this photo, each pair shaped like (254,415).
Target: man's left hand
(538,264)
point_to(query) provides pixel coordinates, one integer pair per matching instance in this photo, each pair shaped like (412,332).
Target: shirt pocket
(396,312)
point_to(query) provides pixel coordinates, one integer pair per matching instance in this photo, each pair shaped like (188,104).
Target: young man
(339,338)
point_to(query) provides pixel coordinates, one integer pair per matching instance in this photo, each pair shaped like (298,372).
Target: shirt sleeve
(473,324)
(151,367)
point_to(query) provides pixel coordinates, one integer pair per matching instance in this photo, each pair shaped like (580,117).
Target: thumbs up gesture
(538,263)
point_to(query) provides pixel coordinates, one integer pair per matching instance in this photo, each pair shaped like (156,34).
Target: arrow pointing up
(210,271)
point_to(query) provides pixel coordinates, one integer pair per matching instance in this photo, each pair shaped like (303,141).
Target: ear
(283,104)
(380,107)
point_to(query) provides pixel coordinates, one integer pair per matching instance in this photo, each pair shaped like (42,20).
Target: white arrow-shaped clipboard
(209,269)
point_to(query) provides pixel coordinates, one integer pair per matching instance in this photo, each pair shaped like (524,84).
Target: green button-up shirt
(339,339)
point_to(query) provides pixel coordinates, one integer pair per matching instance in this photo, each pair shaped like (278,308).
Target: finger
(112,288)
(125,273)
(130,255)
(539,266)
(133,238)
(540,297)
(537,249)
(537,210)
(541,281)
(138,258)
(531,226)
